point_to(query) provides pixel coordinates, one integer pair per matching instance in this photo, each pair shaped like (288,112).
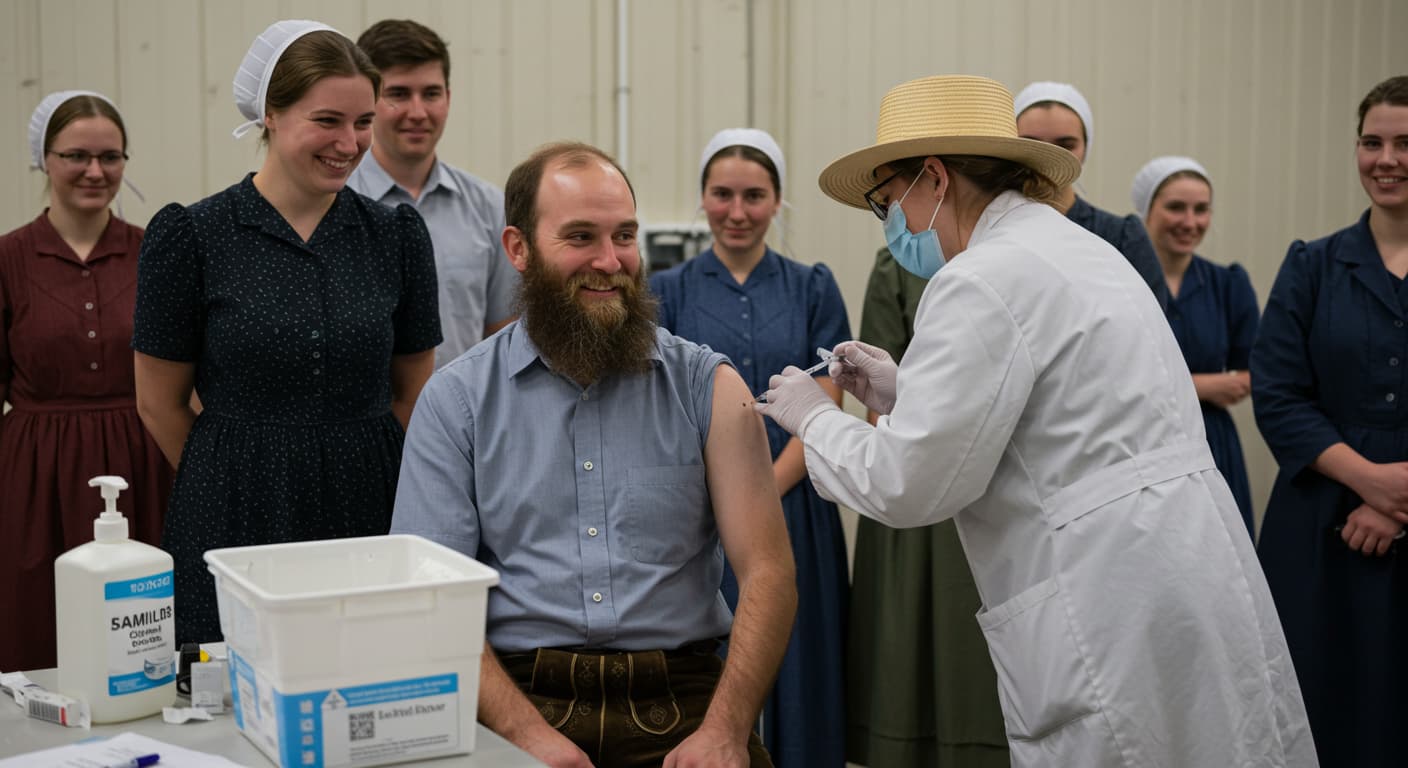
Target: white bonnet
(1061,93)
(251,86)
(39,121)
(747,137)
(1153,174)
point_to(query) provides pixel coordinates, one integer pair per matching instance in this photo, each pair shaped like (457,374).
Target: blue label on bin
(158,585)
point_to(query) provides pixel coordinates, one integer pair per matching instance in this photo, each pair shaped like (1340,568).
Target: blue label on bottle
(156,585)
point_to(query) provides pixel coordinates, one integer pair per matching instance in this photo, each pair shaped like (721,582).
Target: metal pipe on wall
(623,85)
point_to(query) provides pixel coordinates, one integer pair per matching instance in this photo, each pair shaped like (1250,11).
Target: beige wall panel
(20,90)
(160,79)
(342,15)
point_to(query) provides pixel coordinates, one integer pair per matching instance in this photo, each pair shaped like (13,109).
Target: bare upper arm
(738,468)
(163,381)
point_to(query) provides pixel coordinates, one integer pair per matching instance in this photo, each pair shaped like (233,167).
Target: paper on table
(124,746)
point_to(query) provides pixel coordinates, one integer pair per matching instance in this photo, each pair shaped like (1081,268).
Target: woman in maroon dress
(68,285)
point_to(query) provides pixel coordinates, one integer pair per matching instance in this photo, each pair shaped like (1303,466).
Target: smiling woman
(67,287)
(303,313)
(767,312)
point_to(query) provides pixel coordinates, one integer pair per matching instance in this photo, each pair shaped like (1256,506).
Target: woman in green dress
(922,690)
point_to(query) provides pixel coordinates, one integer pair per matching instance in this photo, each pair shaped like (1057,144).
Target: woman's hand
(1223,390)
(1369,531)
(1385,488)
(868,373)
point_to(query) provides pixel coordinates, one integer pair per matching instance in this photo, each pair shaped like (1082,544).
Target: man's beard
(588,340)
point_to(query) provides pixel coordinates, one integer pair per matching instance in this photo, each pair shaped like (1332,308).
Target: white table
(20,734)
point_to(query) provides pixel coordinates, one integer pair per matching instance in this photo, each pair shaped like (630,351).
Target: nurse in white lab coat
(1044,404)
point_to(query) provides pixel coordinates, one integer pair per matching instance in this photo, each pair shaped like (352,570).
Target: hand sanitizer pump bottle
(116,622)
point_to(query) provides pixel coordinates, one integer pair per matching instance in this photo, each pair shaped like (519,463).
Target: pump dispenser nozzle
(110,525)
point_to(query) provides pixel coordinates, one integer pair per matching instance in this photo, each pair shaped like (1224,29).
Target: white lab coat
(1044,404)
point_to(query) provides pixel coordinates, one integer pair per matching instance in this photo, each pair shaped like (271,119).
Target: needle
(826,359)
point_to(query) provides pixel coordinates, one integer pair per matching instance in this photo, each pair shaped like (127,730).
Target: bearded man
(597,462)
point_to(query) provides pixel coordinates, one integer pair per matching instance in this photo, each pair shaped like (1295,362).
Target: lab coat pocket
(667,516)
(1042,681)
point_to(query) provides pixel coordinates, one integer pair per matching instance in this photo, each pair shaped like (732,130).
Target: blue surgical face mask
(919,253)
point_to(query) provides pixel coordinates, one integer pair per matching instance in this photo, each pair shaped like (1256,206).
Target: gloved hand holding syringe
(827,358)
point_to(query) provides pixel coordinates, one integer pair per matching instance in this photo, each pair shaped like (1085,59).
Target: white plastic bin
(353,652)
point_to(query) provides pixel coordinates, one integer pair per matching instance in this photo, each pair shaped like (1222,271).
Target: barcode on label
(361,726)
(43,710)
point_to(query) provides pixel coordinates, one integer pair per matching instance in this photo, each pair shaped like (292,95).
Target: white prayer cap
(745,137)
(1147,181)
(39,121)
(1061,93)
(251,86)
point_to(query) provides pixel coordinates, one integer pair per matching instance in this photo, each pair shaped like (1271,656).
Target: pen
(141,761)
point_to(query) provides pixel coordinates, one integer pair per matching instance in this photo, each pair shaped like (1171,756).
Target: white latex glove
(794,399)
(868,373)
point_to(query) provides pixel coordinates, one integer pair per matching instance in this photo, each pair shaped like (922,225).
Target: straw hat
(944,115)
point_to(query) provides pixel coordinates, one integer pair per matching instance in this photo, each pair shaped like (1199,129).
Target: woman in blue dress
(767,312)
(305,316)
(1211,308)
(1329,391)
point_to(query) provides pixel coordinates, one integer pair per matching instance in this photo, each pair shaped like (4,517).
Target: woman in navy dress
(1211,308)
(304,315)
(1329,392)
(767,312)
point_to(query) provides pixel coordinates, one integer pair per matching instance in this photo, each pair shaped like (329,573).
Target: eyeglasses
(80,158)
(880,211)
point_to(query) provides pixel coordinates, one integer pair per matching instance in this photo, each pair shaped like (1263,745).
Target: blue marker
(141,761)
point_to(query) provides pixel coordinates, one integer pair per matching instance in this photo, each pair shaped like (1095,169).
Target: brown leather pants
(624,709)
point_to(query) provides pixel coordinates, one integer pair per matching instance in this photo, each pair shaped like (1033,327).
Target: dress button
(1389,397)
(86,273)
(587,465)
(1397,323)
(317,371)
(317,355)
(1393,361)
(591,531)
(92,334)
(94,367)
(745,315)
(742,298)
(747,361)
(596,597)
(585,396)
(89,305)
(316,334)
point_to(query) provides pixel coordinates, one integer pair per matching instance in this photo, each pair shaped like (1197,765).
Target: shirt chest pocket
(667,513)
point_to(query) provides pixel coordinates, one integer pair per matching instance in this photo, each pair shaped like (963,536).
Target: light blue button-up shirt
(591,503)
(465,216)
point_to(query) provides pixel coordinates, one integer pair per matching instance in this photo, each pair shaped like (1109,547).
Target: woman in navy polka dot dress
(302,313)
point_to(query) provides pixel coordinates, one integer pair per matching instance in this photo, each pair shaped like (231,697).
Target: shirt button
(747,361)
(1389,397)
(92,334)
(1397,323)
(86,273)
(317,355)
(94,367)
(317,371)
(745,315)
(742,298)
(585,396)
(1393,361)
(591,531)
(316,334)
(89,305)
(596,597)
(587,465)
